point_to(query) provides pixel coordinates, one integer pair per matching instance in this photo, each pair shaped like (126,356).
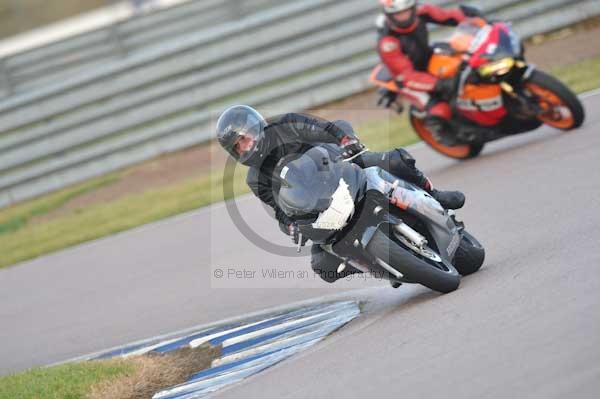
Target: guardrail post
(112,31)
(115,38)
(5,77)
(236,9)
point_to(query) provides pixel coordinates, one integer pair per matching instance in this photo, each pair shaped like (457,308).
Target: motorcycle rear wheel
(438,276)
(462,151)
(562,109)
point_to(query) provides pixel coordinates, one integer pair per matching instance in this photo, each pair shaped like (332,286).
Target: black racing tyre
(469,255)
(553,94)
(475,150)
(438,276)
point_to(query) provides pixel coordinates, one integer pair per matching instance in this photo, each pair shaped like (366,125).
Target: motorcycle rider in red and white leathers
(403,45)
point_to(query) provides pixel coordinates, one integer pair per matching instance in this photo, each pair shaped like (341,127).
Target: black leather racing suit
(295,133)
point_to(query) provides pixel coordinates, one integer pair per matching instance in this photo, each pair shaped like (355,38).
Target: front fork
(526,107)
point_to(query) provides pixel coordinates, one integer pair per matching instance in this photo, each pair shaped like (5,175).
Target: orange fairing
(482,104)
(381,77)
(444,66)
(481,92)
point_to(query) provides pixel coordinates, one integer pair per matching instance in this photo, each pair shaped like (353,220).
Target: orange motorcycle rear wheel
(462,151)
(560,107)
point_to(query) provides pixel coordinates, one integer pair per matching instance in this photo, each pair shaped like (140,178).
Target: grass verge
(24,15)
(20,240)
(16,217)
(134,378)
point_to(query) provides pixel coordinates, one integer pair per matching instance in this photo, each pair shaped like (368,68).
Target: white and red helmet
(394,6)
(400,14)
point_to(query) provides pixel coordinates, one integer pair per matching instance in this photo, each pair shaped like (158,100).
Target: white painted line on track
(351,296)
(295,337)
(276,327)
(261,349)
(197,342)
(326,308)
(147,349)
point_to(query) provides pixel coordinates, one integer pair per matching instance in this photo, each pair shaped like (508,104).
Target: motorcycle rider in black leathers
(264,145)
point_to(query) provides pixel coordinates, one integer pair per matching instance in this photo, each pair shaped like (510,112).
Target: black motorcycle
(375,222)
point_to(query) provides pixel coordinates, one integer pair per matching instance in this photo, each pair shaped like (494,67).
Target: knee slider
(401,155)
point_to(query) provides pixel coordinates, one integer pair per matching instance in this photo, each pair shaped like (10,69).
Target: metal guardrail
(163,98)
(38,66)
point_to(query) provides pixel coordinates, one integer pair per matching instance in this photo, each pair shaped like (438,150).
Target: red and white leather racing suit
(406,54)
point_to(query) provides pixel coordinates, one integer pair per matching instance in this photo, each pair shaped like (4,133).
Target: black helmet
(235,124)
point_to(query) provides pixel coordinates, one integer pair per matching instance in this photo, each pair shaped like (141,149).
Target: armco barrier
(161,98)
(37,66)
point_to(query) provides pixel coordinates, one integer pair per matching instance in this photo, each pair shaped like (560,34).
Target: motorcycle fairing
(482,103)
(309,185)
(418,202)
(340,209)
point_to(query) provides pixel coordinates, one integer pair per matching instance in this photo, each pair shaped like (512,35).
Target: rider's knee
(401,159)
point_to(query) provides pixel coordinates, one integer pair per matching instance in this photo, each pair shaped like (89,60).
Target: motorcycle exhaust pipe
(411,234)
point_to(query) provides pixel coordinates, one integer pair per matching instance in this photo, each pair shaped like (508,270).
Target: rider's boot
(449,199)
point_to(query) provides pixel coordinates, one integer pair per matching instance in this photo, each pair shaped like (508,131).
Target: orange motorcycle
(497,93)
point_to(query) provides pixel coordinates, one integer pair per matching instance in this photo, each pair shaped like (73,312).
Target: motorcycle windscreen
(465,33)
(494,43)
(309,183)
(509,44)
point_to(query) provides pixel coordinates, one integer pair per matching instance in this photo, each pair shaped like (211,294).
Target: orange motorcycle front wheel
(462,151)
(560,108)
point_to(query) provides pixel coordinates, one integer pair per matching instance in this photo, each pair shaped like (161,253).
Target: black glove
(351,146)
(445,87)
(387,98)
(294,232)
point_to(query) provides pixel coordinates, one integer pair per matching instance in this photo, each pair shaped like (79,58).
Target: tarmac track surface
(526,325)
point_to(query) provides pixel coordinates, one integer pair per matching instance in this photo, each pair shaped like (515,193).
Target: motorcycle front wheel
(560,107)
(469,255)
(462,151)
(436,275)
